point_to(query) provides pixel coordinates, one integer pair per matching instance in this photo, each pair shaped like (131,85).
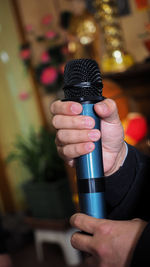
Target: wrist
(120,158)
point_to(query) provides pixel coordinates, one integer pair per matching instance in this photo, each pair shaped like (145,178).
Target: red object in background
(142,4)
(135,128)
(29,28)
(47,19)
(24,95)
(147,44)
(45,58)
(25,53)
(50,34)
(48,76)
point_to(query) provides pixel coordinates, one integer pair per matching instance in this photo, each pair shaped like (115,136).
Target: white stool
(62,238)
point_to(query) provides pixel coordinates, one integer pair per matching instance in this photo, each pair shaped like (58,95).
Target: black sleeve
(2,240)
(128,190)
(141,255)
(128,196)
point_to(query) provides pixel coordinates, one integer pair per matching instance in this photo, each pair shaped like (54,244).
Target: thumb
(107,110)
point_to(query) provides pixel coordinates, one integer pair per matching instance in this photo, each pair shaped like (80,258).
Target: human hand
(111,243)
(5,260)
(76,136)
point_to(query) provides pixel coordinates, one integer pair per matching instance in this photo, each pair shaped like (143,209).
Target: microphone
(83,84)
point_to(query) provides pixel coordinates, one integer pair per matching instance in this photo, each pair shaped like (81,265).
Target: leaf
(39,155)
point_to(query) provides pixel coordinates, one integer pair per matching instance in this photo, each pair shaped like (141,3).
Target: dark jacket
(2,240)
(128,197)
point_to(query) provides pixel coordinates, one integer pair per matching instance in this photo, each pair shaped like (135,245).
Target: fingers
(64,136)
(66,108)
(84,222)
(107,110)
(74,143)
(66,114)
(69,152)
(73,122)
(81,242)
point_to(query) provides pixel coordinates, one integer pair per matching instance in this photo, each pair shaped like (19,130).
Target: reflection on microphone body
(83,84)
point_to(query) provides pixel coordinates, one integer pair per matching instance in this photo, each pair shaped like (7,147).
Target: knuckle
(72,136)
(52,109)
(59,135)
(78,150)
(102,250)
(104,228)
(76,220)
(54,120)
(113,104)
(75,122)
(65,151)
(73,240)
(72,121)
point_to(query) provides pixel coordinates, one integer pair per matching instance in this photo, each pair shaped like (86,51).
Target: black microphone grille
(82,78)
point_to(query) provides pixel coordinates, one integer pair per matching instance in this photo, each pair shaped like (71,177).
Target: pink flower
(47,19)
(23,95)
(29,28)
(49,76)
(25,53)
(50,34)
(45,57)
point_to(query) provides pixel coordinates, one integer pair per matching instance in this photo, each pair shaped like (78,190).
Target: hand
(111,243)
(76,136)
(5,260)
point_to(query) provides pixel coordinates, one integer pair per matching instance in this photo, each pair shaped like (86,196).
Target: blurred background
(37,191)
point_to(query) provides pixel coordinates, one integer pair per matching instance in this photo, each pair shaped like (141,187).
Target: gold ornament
(84,37)
(115,58)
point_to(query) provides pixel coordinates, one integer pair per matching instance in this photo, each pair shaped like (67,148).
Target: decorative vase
(49,200)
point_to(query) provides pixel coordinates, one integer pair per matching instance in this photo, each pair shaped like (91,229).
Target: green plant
(38,154)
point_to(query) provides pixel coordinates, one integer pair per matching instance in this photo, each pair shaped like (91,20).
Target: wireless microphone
(83,84)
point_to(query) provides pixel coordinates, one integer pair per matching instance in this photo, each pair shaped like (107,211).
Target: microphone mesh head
(81,71)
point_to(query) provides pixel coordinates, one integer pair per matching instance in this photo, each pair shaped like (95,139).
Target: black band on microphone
(84,85)
(85,100)
(89,92)
(92,185)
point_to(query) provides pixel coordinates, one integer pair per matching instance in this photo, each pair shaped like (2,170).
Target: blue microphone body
(89,167)
(83,84)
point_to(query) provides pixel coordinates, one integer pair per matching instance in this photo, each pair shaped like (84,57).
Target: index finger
(84,222)
(65,108)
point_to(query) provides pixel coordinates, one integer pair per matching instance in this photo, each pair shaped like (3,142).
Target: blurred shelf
(135,83)
(138,74)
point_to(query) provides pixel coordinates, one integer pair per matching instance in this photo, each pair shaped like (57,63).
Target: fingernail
(88,122)
(89,146)
(94,135)
(75,108)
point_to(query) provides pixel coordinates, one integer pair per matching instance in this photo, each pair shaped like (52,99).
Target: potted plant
(47,193)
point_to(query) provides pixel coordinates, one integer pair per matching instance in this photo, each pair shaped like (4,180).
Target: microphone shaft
(90,174)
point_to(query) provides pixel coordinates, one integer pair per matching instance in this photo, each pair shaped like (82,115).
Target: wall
(16,116)
(133,25)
